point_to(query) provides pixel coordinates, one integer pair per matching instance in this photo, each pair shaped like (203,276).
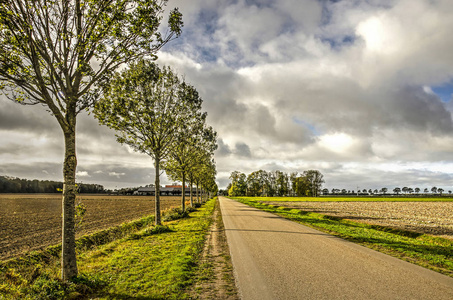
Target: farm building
(168,190)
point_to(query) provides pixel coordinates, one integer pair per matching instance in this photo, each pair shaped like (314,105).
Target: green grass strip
(348,199)
(431,252)
(153,263)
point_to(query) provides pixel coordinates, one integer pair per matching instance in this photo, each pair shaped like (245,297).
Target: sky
(360,90)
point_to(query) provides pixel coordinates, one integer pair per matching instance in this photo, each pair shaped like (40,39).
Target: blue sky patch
(339,42)
(307,125)
(444,91)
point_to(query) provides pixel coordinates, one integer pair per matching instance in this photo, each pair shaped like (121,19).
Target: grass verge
(349,199)
(148,263)
(430,252)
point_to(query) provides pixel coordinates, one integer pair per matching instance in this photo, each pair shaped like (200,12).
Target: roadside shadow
(282,231)
(254,216)
(248,209)
(128,296)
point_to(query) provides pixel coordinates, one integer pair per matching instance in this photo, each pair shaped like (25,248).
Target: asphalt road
(274,258)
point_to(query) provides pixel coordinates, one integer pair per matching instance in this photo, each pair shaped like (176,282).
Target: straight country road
(274,258)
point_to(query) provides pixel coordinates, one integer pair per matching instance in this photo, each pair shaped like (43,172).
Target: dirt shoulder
(434,218)
(215,279)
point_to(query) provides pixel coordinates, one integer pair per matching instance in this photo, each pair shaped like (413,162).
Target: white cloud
(82,174)
(115,174)
(337,142)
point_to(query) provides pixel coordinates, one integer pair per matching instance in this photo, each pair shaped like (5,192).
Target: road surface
(274,258)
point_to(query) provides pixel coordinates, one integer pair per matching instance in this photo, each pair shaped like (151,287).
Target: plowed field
(33,221)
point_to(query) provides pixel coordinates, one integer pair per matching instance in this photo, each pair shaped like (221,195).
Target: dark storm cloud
(32,118)
(38,170)
(242,150)
(223,149)
(27,149)
(414,108)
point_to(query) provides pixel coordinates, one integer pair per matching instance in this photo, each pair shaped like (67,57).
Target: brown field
(33,221)
(434,218)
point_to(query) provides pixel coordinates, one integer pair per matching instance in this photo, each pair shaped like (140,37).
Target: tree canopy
(156,113)
(60,53)
(277,183)
(194,140)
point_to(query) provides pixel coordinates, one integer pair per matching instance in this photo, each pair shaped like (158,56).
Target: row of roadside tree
(154,111)
(276,183)
(75,56)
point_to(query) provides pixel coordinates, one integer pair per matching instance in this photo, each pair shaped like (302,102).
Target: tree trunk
(68,253)
(191,193)
(198,199)
(183,198)
(157,192)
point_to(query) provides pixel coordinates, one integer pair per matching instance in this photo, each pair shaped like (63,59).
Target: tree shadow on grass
(129,296)
(282,231)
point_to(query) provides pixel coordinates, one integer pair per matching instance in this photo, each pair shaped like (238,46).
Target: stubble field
(427,217)
(33,221)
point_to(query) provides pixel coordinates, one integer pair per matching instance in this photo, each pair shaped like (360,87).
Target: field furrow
(33,221)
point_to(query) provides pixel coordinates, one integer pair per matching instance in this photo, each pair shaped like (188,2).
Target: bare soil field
(33,221)
(434,218)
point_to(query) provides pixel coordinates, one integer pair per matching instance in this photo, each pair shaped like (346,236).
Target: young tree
(292,179)
(302,186)
(267,180)
(240,179)
(59,53)
(193,139)
(145,105)
(186,140)
(254,184)
(315,181)
(397,190)
(282,183)
(233,190)
(208,179)
(204,174)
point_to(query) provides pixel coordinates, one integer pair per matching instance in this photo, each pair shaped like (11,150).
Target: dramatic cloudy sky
(360,90)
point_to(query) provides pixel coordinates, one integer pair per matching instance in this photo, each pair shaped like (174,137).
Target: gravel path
(434,218)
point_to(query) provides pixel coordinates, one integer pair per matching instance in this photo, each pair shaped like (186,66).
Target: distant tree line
(17,185)
(276,183)
(384,191)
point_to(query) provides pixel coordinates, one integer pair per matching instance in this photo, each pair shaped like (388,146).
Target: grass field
(153,263)
(422,249)
(349,199)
